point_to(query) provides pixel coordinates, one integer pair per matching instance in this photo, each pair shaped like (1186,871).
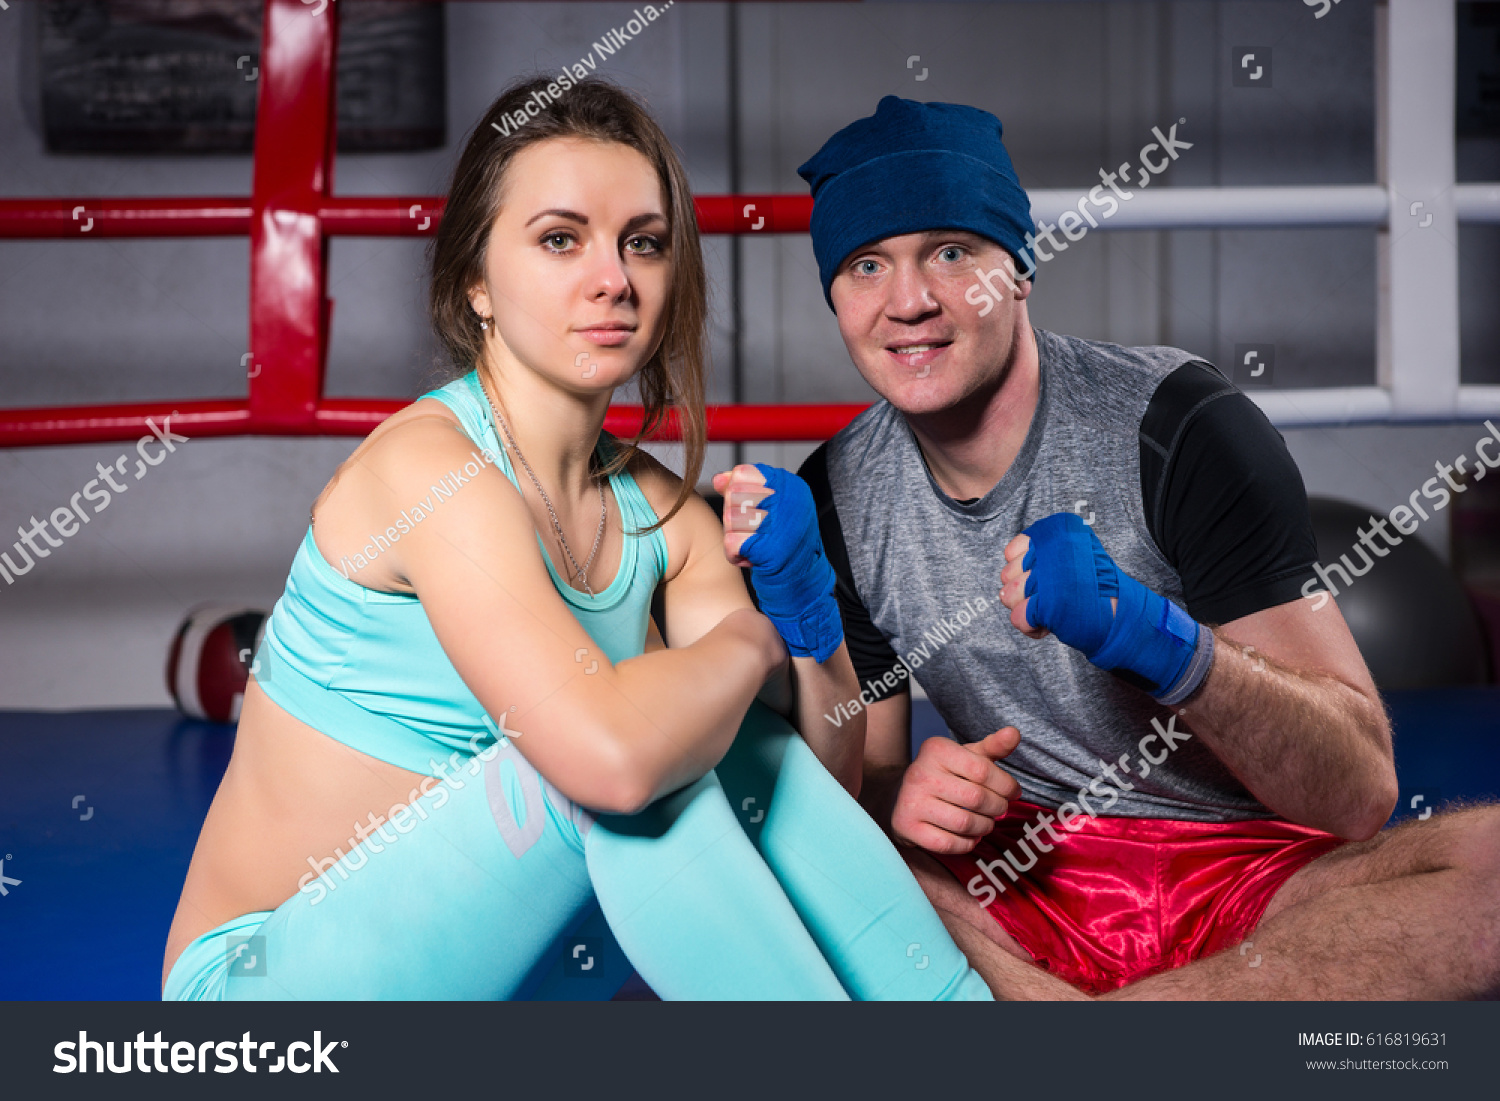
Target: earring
(484,322)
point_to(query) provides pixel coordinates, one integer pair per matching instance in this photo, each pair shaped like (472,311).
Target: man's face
(909,310)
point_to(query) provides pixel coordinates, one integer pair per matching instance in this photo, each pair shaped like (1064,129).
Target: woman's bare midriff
(290,794)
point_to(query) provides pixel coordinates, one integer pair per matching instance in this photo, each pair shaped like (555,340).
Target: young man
(1091,557)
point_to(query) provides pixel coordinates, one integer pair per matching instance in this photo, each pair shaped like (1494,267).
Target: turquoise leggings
(762,880)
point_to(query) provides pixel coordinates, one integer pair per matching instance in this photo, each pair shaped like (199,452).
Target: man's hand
(1013,587)
(1065,582)
(952,793)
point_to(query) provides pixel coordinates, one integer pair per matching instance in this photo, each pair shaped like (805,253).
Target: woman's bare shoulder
(413,462)
(413,424)
(694,525)
(414,434)
(656,479)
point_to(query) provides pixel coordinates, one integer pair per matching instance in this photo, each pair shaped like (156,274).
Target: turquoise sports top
(365,668)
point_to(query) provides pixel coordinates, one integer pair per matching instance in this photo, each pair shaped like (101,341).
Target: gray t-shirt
(927,569)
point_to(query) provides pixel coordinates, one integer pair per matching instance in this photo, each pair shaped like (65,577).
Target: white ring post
(1417,349)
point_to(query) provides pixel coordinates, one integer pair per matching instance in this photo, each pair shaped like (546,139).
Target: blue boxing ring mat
(99,812)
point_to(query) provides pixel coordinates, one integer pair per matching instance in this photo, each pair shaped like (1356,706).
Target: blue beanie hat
(912,167)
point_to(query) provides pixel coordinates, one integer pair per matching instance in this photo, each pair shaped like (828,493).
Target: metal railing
(291,214)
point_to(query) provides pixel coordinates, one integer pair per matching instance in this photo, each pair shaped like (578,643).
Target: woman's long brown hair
(600,111)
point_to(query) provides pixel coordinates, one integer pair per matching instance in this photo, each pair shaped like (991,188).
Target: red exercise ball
(209,661)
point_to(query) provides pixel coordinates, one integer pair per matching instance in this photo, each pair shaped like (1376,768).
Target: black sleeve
(869,650)
(1223,498)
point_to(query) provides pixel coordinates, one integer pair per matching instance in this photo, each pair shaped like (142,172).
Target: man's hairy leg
(1413,913)
(1004,965)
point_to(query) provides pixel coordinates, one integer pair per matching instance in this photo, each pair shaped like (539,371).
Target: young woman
(463,672)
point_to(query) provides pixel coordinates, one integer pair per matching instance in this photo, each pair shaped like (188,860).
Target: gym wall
(747,95)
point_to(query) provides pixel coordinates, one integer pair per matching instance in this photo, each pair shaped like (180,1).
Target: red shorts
(1123,898)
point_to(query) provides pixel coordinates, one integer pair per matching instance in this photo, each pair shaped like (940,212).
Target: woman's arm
(708,587)
(610,737)
(828,724)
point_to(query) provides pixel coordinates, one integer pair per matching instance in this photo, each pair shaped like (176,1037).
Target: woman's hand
(743,489)
(771,525)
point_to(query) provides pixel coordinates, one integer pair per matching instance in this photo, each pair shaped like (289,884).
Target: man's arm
(1297,717)
(1290,707)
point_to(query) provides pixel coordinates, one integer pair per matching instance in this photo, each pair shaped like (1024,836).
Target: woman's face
(577,270)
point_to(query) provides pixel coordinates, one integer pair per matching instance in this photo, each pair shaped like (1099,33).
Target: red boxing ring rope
(290,216)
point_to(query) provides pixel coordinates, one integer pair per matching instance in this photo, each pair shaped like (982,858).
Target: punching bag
(1411,618)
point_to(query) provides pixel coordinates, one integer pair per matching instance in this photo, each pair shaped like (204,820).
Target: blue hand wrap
(1070,585)
(792,578)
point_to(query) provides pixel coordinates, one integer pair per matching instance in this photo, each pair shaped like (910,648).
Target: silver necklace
(581,571)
